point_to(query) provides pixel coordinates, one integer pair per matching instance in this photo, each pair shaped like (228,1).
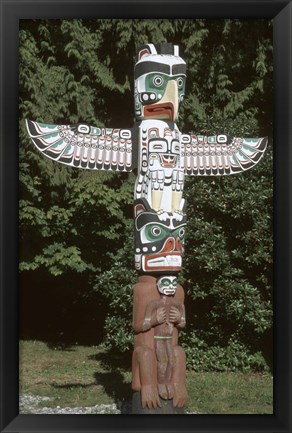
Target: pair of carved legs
(144,360)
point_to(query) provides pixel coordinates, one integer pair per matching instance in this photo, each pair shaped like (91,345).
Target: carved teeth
(173,260)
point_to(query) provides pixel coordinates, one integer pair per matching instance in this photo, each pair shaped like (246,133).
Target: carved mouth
(168,160)
(162,262)
(160,111)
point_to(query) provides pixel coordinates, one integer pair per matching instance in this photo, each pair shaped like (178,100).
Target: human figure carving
(158,360)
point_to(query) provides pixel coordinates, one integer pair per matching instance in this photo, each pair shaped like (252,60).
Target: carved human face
(167,285)
(159,245)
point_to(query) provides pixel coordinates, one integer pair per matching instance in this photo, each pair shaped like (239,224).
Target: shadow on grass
(60,345)
(114,385)
(113,381)
(113,360)
(73,385)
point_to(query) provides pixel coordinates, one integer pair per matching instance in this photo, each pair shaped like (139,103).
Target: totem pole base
(166,407)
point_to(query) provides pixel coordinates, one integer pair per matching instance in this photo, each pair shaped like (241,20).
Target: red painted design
(159,109)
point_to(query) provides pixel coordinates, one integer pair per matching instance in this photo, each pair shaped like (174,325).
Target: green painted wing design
(220,155)
(83,146)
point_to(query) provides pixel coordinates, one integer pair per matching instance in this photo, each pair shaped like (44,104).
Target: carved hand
(175,315)
(160,315)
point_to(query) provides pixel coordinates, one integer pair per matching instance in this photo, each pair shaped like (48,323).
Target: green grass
(86,376)
(230,393)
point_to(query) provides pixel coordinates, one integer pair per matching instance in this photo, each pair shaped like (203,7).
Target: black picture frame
(11,12)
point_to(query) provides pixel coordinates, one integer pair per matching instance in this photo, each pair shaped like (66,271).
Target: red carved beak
(164,110)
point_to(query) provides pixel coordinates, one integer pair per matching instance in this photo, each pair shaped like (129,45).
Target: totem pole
(161,156)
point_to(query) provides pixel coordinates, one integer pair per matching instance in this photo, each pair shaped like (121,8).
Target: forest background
(76,226)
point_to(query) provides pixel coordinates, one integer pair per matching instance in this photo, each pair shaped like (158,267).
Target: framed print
(67,348)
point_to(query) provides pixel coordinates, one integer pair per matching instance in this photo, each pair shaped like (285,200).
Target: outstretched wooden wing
(220,154)
(84,146)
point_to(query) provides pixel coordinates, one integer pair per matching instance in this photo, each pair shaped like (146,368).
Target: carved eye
(158,81)
(180,83)
(181,233)
(155,231)
(166,283)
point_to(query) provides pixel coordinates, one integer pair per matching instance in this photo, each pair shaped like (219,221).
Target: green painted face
(157,83)
(157,232)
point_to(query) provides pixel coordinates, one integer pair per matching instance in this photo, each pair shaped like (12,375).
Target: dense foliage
(76,237)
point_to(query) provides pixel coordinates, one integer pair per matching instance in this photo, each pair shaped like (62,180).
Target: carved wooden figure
(162,156)
(158,361)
